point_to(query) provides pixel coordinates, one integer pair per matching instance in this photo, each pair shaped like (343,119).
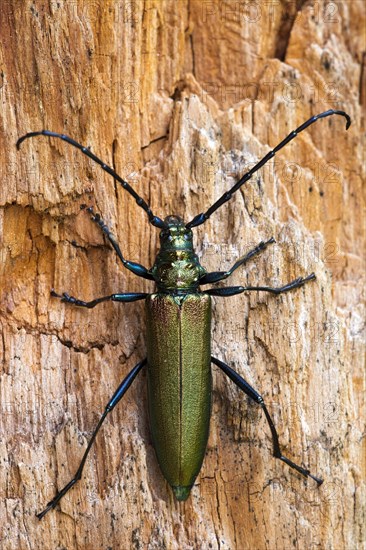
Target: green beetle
(179,359)
(178,334)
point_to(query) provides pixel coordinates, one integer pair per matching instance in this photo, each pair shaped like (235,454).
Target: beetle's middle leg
(251,392)
(118,394)
(136,268)
(216,276)
(123,297)
(232,290)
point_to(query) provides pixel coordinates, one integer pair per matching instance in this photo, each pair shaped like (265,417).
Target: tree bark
(182,98)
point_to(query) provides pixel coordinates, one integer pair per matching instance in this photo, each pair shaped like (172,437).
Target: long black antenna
(201,218)
(154,220)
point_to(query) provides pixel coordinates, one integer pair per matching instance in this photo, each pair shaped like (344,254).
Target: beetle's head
(175,235)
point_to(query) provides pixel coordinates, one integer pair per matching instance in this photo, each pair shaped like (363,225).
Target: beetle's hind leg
(137,269)
(248,390)
(118,394)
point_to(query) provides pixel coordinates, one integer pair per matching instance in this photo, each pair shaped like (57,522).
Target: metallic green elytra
(179,333)
(179,384)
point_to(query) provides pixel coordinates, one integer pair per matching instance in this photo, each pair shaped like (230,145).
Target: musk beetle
(179,356)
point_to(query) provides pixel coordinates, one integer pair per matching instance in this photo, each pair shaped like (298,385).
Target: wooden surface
(182,97)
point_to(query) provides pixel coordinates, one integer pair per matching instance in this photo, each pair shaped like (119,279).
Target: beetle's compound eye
(188,236)
(165,235)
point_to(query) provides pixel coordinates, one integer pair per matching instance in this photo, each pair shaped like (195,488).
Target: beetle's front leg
(124,297)
(137,269)
(232,290)
(216,276)
(251,392)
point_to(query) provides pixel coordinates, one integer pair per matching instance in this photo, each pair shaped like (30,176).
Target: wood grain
(181,98)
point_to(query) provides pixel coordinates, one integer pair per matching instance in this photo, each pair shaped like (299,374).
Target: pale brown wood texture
(181,98)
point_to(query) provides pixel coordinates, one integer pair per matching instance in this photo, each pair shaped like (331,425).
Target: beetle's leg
(136,268)
(248,390)
(124,297)
(216,276)
(201,218)
(232,290)
(118,394)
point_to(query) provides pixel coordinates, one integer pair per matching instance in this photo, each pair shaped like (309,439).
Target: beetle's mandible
(179,356)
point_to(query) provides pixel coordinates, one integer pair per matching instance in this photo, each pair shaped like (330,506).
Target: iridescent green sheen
(179,384)
(176,266)
(179,357)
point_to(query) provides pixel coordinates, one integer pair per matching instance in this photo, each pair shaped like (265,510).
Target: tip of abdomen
(182,493)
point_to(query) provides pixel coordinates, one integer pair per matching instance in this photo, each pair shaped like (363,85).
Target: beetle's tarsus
(317,479)
(52,504)
(303,471)
(65,298)
(44,512)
